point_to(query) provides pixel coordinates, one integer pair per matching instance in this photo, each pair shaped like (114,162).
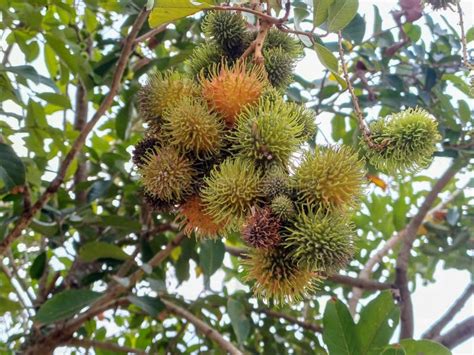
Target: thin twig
(463,37)
(436,328)
(151,33)
(306,325)
(458,334)
(88,343)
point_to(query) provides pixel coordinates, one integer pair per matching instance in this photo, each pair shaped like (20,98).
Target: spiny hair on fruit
(279,66)
(142,148)
(261,229)
(283,207)
(275,182)
(407,141)
(204,58)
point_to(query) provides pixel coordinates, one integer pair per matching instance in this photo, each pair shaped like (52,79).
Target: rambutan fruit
(407,140)
(279,66)
(267,133)
(190,125)
(282,206)
(161,91)
(193,218)
(330,177)
(228,30)
(146,145)
(158,204)
(279,39)
(229,89)
(275,182)
(261,229)
(306,118)
(277,276)
(320,241)
(204,58)
(166,174)
(231,190)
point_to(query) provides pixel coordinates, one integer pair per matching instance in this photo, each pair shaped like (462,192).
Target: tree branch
(53,187)
(436,329)
(204,328)
(458,334)
(86,343)
(306,325)
(463,37)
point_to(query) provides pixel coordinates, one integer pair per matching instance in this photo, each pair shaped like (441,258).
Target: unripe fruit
(282,207)
(275,182)
(279,66)
(204,58)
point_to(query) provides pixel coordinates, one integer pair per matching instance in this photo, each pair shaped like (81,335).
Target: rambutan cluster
(220,151)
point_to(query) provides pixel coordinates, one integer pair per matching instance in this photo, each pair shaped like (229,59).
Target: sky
(430,301)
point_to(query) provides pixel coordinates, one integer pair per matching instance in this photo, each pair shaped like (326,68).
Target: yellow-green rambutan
(279,66)
(193,218)
(306,118)
(228,30)
(261,229)
(191,126)
(167,174)
(283,207)
(161,91)
(146,145)
(330,177)
(204,58)
(320,241)
(407,140)
(231,190)
(277,276)
(230,89)
(275,182)
(267,133)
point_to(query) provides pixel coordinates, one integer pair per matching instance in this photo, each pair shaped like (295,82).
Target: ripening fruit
(204,58)
(231,190)
(408,140)
(306,118)
(320,241)
(228,30)
(161,91)
(193,218)
(146,145)
(230,89)
(167,174)
(279,66)
(277,277)
(276,181)
(330,177)
(190,125)
(267,133)
(282,207)
(261,229)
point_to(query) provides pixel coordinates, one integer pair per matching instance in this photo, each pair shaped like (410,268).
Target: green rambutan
(320,241)
(146,145)
(161,91)
(261,229)
(307,119)
(277,277)
(228,30)
(282,206)
(166,174)
(330,177)
(279,39)
(279,66)
(204,58)
(407,139)
(229,89)
(267,133)
(275,182)
(230,191)
(190,125)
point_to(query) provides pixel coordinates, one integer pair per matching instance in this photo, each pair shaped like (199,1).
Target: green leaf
(122,121)
(470,35)
(341,13)
(121,222)
(151,305)
(169,10)
(464,111)
(101,250)
(326,58)
(423,347)
(340,334)
(395,349)
(320,11)
(65,304)
(211,256)
(56,99)
(377,323)
(377,20)
(38,266)
(239,320)
(12,170)
(355,31)
(90,20)
(7,305)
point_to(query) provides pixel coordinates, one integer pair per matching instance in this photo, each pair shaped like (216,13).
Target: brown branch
(151,33)
(203,327)
(87,343)
(401,280)
(6,54)
(306,325)
(458,334)
(53,187)
(436,329)
(259,14)
(463,37)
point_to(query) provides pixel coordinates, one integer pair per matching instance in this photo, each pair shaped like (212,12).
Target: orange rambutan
(229,89)
(193,218)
